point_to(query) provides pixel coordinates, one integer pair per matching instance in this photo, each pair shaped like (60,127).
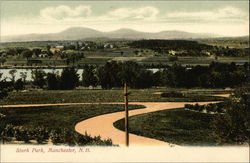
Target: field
(141,95)
(194,60)
(54,119)
(177,126)
(238,42)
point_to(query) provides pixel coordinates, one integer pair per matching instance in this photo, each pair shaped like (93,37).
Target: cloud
(227,13)
(65,12)
(225,21)
(145,13)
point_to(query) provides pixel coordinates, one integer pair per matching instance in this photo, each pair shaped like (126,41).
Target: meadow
(175,126)
(114,95)
(53,124)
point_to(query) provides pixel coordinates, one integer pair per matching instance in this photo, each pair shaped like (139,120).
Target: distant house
(61,47)
(43,55)
(108,46)
(55,50)
(172,52)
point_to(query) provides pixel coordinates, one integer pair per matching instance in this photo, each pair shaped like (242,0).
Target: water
(58,71)
(28,71)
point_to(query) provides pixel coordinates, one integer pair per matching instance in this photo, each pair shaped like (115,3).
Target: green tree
(3,87)
(36,51)
(23,76)
(2,60)
(27,54)
(88,76)
(233,127)
(108,75)
(19,85)
(53,81)
(38,77)
(12,74)
(69,78)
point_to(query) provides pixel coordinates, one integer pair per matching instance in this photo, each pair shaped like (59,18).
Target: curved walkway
(103,125)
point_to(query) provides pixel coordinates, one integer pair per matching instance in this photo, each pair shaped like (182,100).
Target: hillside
(78,33)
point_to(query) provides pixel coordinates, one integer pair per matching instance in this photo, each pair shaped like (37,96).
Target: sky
(225,18)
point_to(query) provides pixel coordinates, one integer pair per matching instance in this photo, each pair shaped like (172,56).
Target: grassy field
(194,60)
(177,126)
(56,118)
(137,95)
(238,42)
(100,58)
(58,62)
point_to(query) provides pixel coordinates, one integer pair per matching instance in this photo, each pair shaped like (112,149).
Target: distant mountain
(78,33)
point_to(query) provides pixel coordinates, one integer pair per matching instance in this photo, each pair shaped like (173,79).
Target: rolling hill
(78,33)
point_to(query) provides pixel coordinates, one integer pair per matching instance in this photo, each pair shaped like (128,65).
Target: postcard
(124,81)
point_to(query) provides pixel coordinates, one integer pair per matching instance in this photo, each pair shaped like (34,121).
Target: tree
(3,87)
(109,76)
(233,127)
(48,48)
(27,54)
(12,74)
(19,85)
(88,77)
(38,77)
(36,51)
(53,81)
(2,60)
(144,79)
(69,78)
(23,76)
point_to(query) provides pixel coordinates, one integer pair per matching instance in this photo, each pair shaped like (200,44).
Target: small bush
(188,106)
(88,140)
(172,94)
(22,134)
(40,134)
(56,136)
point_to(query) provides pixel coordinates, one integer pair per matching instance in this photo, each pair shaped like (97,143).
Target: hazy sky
(228,18)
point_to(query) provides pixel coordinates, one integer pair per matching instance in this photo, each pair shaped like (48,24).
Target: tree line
(115,74)
(188,48)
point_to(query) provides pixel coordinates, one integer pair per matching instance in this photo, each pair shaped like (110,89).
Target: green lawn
(61,119)
(204,61)
(100,58)
(177,126)
(141,95)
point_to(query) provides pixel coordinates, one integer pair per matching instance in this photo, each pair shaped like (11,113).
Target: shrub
(172,94)
(88,140)
(82,139)
(40,134)
(22,134)
(6,132)
(233,126)
(188,106)
(56,136)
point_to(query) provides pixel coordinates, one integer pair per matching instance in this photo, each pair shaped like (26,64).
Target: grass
(100,58)
(177,126)
(194,60)
(137,95)
(56,117)
(58,62)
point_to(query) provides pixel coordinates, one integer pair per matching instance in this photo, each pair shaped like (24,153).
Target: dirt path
(103,125)
(222,95)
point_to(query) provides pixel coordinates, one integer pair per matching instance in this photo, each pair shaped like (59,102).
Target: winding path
(103,125)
